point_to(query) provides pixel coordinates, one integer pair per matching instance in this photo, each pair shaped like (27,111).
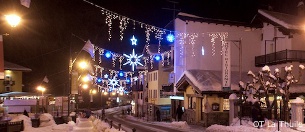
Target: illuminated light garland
(120,60)
(214,36)
(147,31)
(108,21)
(101,52)
(182,37)
(151,61)
(114,56)
(192,39)
(145,62)
(158,35)
(162,57)
(123,25)
(113,72)
(223,36)
(168,57)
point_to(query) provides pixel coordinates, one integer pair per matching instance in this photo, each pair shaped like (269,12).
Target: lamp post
(74,79)
(42,89)
(13,20)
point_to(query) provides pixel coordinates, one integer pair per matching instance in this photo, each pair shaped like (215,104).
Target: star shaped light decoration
(133,40)
(133,59)
(113,82)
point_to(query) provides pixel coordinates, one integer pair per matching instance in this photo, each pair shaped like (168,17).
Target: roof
(207,80)
(15,67)
(189,17)
(211,81)
(285,20)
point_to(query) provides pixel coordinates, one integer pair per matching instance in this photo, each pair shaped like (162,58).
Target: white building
(199,51)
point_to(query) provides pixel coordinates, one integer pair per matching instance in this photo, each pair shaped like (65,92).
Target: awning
(18,94)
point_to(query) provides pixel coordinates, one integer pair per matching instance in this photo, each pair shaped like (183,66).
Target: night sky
(54,30)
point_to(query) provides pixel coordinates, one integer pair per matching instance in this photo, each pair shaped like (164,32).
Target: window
(141,95)
(226,104)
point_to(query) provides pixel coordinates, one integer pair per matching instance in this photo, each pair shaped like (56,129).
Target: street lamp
(42,89)
(12,19)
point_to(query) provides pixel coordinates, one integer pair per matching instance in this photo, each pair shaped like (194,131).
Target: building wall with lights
(189,51)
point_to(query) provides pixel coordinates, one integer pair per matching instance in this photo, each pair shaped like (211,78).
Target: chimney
(301,7)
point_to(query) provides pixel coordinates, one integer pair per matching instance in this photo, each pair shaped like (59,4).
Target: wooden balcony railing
(280,57)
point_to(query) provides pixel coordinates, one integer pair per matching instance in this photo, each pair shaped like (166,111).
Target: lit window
(226,104)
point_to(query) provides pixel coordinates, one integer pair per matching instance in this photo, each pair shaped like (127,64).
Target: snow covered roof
(286,20)
(15,67)
(207,80)
(189,17)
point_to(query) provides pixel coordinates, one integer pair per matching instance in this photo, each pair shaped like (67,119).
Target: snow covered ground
(82,125)
(248,126)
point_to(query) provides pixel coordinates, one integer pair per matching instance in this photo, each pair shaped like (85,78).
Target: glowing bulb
(99,80)
(86,79)
(13,20)
(108,54)
(85,86)
(121,74)
(157,57)
(83,65)
(170,37)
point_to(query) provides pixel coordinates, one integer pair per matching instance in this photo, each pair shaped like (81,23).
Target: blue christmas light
(99,80)
(127,80)
(157,57)
(170,37)
(108,54)
(121,73)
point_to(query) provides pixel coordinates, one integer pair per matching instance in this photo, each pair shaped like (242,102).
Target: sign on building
(226,67)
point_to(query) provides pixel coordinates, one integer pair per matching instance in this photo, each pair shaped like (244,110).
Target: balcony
(280,57)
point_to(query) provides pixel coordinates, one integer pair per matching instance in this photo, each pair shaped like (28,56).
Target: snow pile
(72,114)
(92,118)
(46,119)
(297,100)
(249,126)
(244,122)
(101,125)
(180,124)
(27,123)
(221,128)
(61,128)
(113,130)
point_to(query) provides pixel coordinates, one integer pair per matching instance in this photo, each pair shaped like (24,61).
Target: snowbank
(46,119)
(27,123)
(220,128)
(180,124)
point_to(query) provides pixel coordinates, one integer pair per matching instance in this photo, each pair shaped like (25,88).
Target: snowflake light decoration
(133,59)
(121,89)
(113,82)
